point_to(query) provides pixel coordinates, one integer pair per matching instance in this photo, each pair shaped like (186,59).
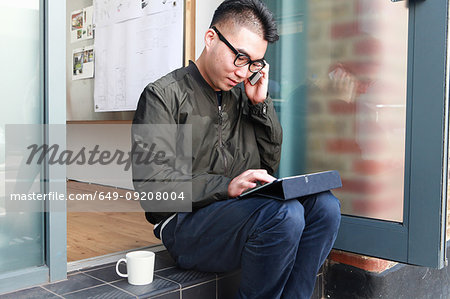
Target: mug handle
(117,267)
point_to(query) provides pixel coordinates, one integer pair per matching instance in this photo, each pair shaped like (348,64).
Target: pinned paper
(81,24)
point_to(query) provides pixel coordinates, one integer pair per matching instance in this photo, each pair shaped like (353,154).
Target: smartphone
(254,78)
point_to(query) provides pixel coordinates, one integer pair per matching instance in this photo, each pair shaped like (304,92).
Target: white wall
(80,93)
(109,137)
(80,104)
(203,15)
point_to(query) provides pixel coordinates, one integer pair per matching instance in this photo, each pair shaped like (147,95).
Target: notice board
(136,42)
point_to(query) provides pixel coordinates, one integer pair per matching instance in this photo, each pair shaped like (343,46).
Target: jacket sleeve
(269,134)
(156,108)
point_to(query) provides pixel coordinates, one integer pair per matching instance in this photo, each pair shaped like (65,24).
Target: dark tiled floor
(73,283)
(169,283)
(36,292)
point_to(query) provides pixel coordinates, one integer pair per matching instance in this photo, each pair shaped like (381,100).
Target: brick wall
(357,51)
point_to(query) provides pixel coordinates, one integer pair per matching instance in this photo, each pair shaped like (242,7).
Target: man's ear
(210,36)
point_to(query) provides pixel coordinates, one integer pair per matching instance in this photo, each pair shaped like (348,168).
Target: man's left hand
(258,93)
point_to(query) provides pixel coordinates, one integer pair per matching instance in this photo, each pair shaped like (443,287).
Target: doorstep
(169,282)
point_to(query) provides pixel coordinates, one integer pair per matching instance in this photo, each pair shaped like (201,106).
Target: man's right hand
(247,180)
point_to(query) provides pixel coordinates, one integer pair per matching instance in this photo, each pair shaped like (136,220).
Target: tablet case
(297,186)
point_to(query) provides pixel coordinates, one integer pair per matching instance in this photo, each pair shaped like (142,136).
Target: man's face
(221,72)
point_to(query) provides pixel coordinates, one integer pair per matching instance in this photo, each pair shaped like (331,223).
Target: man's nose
(242,71)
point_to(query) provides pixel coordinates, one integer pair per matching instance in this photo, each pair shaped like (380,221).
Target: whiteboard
(136,42)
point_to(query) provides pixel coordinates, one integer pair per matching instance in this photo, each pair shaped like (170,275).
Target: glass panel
(447,212)
(338,76)
(21,234)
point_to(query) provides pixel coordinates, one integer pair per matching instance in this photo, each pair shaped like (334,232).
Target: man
(236,143)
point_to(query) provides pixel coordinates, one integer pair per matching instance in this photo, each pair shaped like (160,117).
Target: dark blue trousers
(279,245)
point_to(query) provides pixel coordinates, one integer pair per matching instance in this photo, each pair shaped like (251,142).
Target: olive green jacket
(225,142)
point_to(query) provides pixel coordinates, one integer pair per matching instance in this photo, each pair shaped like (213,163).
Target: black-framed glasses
(242,59)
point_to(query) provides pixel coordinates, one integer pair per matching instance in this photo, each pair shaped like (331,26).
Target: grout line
(113,281)
(87,274)
(58,295)
(110,283)
(135,296)
(180,286)
(103,282)
(83,289)
(73,273)
(106,282)
(198,284)
(108,258)
(99,267)
(161,295)
(110,265)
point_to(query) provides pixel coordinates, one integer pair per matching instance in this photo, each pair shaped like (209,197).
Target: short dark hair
(249,13)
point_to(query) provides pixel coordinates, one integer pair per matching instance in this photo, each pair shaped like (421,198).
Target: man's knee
(291,219)
(295,213)
(328,208)
(282,218)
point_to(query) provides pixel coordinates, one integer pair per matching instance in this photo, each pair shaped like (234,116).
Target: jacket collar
(193,70)
(195,73)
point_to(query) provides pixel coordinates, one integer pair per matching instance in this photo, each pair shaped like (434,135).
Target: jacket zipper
(221,145)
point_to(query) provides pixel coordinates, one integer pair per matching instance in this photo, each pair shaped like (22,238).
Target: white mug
(140,266)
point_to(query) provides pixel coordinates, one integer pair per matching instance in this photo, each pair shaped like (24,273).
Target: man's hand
(258,93)
(247,180)
(344,84)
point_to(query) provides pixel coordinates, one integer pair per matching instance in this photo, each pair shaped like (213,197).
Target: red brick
(387,125)
(371,207)
(345,30)
(369,167)
(367,47)
(367,7)
(341,107)
(374,146)
(363,67)
(371,128)
(384,87)
(359,261)
(360,186)
(363,86)
(343,146)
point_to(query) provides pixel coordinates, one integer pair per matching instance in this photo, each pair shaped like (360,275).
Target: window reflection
(21,233)
(339,75)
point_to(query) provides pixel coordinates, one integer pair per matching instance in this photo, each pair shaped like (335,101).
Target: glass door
(32,235)
(341,97)
(21,233)
(359,86)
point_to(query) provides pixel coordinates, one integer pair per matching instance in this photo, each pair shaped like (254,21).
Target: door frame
(420,239)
